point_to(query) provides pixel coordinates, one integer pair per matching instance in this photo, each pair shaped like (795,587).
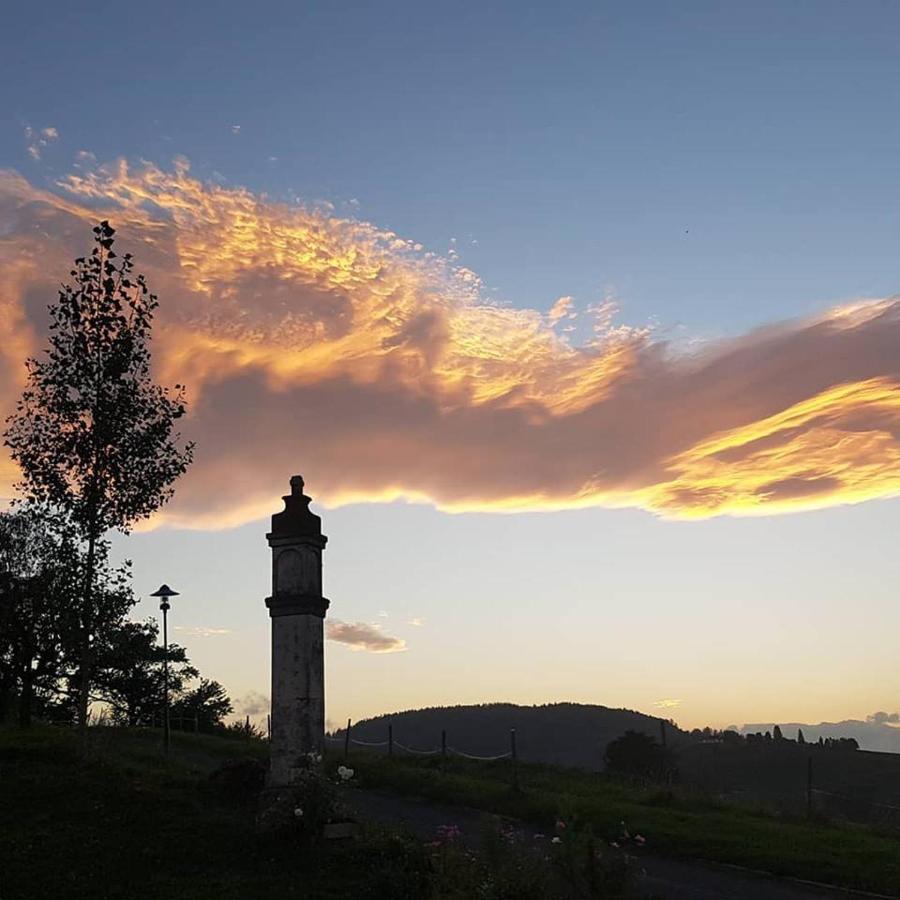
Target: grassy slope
(683,826)
(126,825)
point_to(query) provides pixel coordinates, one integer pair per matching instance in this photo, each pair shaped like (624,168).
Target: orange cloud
(326,345)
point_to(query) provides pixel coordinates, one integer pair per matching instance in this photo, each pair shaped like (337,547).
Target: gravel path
(664,878)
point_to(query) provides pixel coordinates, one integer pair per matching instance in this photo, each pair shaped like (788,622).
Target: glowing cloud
(326,345)
(667,703)
(202,632)
(362,636)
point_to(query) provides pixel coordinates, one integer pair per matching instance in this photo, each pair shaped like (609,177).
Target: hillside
(566,734)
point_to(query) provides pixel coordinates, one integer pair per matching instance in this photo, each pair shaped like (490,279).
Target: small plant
(301,810)
(591,868)
(239,779)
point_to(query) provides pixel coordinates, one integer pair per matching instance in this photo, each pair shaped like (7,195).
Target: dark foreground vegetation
(123,823)
(674,822)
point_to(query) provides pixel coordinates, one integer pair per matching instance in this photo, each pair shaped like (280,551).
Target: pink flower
(448,833)
(560,825)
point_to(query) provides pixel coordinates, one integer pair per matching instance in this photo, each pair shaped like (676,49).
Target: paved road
(663,878)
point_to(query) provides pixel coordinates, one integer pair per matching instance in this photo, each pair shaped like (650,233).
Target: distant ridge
(872,735)
(566,734)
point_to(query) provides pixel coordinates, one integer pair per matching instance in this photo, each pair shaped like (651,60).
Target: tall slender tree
(93,434)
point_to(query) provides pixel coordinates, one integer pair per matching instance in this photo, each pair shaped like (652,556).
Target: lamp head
(164,592)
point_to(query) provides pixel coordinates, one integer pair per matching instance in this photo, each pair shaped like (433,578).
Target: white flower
(556,840)
(298,812)
(345,773)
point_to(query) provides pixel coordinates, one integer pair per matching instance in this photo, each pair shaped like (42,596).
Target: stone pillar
(297,608)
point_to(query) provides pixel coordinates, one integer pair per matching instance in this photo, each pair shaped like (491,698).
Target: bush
(239,779)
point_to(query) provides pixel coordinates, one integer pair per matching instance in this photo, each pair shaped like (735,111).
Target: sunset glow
(272,311)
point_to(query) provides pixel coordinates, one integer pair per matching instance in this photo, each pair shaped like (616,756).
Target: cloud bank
(325,345)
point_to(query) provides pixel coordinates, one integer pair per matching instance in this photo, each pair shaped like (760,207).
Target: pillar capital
(296,521)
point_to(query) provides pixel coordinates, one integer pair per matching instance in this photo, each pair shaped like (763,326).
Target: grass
(125,824)
(677,824)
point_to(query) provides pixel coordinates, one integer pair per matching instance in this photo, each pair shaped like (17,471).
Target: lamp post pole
(164,593)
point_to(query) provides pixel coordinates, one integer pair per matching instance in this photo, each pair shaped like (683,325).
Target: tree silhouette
(207,705)
(41,570)
(635,754)
(129,672)
(92,433)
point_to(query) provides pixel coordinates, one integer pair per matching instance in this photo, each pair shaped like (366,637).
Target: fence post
(664,760)
(390,740)
(269,727)
(513,755)
(809,786)
(347,740)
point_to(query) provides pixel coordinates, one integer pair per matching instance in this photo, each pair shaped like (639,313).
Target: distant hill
(567,734)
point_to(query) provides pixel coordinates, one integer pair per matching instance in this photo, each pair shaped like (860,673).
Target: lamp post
(164,592)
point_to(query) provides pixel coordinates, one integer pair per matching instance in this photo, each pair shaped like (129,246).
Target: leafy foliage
(92,433)
(207,705)
(41,574)
(635,754)
(129,673)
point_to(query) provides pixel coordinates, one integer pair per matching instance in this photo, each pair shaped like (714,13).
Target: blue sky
(712,167)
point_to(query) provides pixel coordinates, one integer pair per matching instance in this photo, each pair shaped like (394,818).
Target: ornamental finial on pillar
(296,520)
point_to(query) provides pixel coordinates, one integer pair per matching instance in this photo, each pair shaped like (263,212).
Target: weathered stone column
(297,608)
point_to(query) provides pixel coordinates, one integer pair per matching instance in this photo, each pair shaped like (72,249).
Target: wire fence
(803,797)
(390,746)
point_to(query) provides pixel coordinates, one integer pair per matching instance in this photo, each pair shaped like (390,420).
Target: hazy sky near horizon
(580,320)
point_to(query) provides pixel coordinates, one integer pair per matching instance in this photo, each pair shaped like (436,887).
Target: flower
(556,840)
(448,833)
(640,839)
(614,844)
(298,812)
(560,825)
(344,773)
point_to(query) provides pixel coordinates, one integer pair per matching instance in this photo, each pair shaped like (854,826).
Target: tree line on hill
(773,738)
(95,443)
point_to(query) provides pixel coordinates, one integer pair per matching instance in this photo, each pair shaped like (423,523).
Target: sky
(580,320)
